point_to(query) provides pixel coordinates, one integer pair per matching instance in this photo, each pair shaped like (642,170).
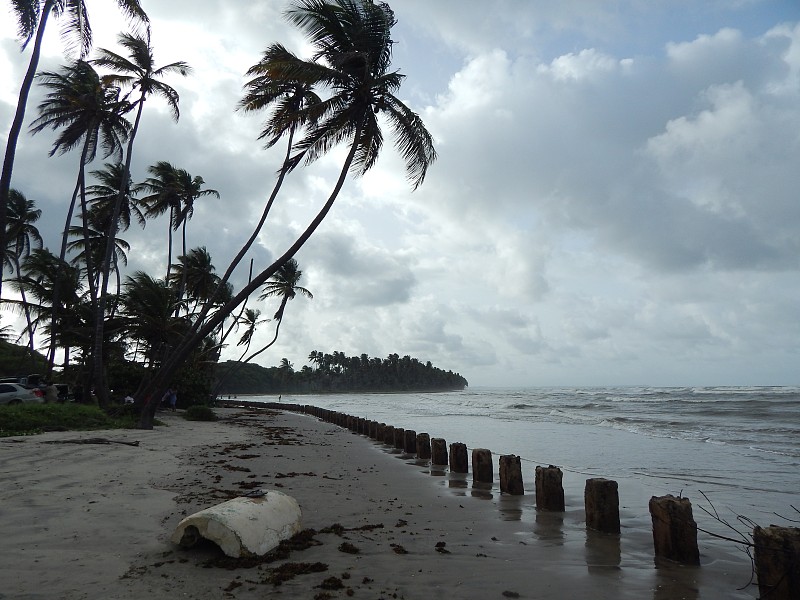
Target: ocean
(733,451)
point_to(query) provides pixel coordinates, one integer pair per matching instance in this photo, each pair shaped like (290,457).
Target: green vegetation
(18,360)
(200,413)
(139,333)
(28,419)
(337,373)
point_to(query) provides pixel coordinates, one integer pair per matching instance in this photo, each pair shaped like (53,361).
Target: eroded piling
(511,475)
(674,529)
(458,458)
(549,488)
(601,498)
(482,465)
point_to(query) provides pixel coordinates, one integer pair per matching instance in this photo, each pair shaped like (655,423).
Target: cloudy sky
(615,199)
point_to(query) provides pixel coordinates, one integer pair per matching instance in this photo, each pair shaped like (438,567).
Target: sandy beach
(90,521)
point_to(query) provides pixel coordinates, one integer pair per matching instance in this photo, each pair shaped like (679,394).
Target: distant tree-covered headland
(337,372)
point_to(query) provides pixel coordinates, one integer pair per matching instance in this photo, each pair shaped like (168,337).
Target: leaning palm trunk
(51,354)
(202,328)
(16,126)
(257,229)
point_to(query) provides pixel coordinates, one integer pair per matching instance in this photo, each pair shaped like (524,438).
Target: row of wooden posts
(776,549)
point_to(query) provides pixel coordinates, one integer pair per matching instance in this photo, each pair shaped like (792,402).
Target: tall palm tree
(174,190)
(42,273)
(95,245)
(195,271)
(352,57)
(104,193)
(89,113)
(22,236)
(32,17)
(138,72)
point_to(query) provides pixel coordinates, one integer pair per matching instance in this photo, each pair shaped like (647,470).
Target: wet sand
(92,521)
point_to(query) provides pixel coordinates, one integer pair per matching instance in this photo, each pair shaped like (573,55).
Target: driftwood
(92,441)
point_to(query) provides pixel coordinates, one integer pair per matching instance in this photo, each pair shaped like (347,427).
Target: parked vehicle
(14,393)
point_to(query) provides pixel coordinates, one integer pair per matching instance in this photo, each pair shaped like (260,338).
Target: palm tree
(148,305)
(174,190)
(282,284)
(196,271)
(42,273)
(90,113)
(352,57)
(137,72)
(104,193)
(32,17)
(21,236)
(91,248)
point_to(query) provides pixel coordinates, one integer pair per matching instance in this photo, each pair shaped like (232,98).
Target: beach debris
(549,488)
(601,498)
(511,475)
(243,526)
(777,559)
(348,548)
(458,458)
(674,529)
(92,441)
(482,471)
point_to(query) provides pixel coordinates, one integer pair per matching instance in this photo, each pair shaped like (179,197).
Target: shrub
(200,413)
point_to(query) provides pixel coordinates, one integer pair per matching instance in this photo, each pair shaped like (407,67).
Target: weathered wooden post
(423,446)
(458,458)
(410,442)
(399,438)
(381,432)
(674,529)
(438,451)
(482,466)
(601,498)
(388,437)
(777,558)
(549,489)
(511,475)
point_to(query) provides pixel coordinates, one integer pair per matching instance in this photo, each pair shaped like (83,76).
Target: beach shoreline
(89,521)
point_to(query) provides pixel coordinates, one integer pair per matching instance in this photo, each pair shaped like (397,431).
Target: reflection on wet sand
(603,551)
(549,526)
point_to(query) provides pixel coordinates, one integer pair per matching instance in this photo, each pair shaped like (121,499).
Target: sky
(615,200)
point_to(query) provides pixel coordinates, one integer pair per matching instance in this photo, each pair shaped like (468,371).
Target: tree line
(337,372)
(165,329)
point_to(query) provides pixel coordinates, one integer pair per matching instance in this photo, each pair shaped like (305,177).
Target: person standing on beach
(173,398)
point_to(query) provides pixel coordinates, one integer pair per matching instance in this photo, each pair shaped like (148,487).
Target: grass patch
(29,419)
(200,412)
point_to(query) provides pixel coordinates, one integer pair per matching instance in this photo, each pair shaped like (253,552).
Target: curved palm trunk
(16,127)
(169,242)
(200,329)
(241,311)
(25,307)
(244,249)
(51,354)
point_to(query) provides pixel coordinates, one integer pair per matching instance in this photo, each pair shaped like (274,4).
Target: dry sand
(93,521)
